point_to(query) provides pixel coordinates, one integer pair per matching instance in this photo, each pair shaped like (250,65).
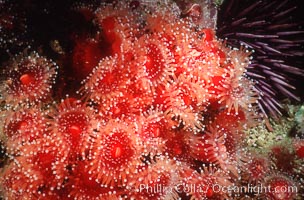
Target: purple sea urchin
(272,31)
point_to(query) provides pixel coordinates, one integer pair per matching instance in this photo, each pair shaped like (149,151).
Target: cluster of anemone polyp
(162,116)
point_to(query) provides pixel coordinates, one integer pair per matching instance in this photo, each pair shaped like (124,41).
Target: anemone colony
(144,102)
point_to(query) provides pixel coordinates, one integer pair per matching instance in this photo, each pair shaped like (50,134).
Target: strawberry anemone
(28,79)
(280,187)
(114,154)
(255,168)
(155,181)
(152,128)
(205,184)
(232,124)
(117,25)
(82,185)
(177,147)
(238,94)
(72,121)
(39,170)
(184,104)
(155,62)
(25,125)
(211,147)
(299,148)
(283,157)
(108,80)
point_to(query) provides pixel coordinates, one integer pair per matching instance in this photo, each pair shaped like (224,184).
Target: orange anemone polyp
(154,64)
(26,79)
(258,168)
(114,154)
(109,80)
(177,148)
(45,160)
(152,130)
(155,61)
(19,127)
(74,130)
(24,125)
(117,150)
(300,152)
(280,187)
(84,186)
(208,35)
(73,124)
(72,121)
(211,147)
